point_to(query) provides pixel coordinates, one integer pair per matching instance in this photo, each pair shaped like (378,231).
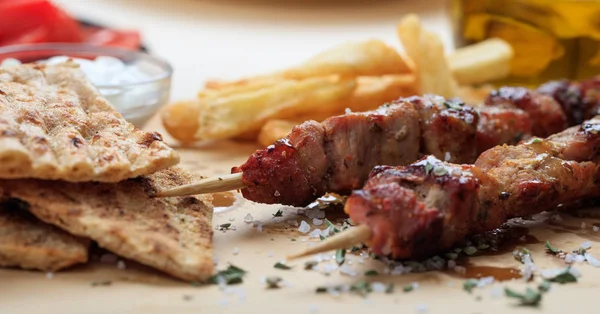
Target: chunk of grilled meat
(580,100)
(430,205)
(338,154)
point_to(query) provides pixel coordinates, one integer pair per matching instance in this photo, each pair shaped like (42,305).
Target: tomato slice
(114,38)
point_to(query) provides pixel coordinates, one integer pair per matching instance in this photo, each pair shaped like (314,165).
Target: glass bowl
(138,99)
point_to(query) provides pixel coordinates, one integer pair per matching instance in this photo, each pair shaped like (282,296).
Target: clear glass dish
(137,100)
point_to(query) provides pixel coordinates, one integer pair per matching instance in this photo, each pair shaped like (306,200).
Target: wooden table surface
(213,39)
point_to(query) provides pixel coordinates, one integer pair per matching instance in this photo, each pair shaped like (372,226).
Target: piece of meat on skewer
(429,206)
(337,155)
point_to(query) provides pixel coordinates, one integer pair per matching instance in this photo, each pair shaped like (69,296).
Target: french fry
(427,52)
(273,130)
(481,62)
(233,115)
(180,119)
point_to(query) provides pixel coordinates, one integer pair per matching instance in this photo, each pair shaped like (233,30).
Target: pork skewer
(338,154)
(429,206)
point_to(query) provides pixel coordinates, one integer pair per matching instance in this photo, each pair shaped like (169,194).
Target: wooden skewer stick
(348,238)
(209,185)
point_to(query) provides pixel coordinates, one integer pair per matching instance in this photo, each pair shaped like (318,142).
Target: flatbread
(170,234)
(55,125)
(28,243)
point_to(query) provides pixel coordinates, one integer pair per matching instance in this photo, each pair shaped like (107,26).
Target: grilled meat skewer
(429,206)
(337,155)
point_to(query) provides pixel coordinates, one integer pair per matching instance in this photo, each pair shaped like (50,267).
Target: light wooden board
(137,289)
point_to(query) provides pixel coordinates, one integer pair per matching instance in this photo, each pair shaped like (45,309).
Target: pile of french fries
(354,76)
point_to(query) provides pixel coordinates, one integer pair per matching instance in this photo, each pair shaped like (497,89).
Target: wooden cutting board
(103,287)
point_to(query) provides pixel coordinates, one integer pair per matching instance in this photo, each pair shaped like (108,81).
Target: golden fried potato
(180,119)
(427,52)
(273,130)
(233,115)
(368,58)
(482,62)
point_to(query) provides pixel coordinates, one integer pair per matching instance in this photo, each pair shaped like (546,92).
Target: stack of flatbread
(72,171)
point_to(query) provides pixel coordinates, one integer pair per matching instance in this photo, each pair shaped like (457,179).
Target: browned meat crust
(430,205)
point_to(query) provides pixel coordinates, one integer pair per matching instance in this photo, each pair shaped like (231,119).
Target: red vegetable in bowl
(40,21)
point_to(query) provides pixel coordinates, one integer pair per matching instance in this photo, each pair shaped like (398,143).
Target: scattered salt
(450,284)
(485,281)
(347,270)
(277,194)
(528,267)
(378,287)
(347,111)
(236,250)
(270,254)
(328,268)
(317,222)
(258,225)
(304,227)
(583,225)
(592,260)
(586,245)
(596,228)
(575,272)
(447,156)
(248,218)
(315,233)
(415,285)
(49,275)
(497,292)
(579,258)
(570,258)
(232,219)
(121,265)
(422,308)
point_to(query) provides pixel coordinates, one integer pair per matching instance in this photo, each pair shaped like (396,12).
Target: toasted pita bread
(170,234)
(55,125)
(28,243)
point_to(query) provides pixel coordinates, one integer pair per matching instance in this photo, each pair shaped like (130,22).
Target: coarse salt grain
(347,270)
(317,222)
(315,233)
(49,275)
(422,308)
(570,258)
(378,287)
(248,218)
(579,258)
(596,228)
(304,227)
(497,292)
(592,260)
(258,225)
(232,219)
(447,156)
(121,265)
(485,281)
(329,268)
(583,225)
(586,245)
(236,250)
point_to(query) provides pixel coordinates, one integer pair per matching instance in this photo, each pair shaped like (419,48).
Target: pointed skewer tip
(209,185)
(351,237)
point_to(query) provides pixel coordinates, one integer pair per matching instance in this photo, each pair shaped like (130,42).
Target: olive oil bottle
(552,39)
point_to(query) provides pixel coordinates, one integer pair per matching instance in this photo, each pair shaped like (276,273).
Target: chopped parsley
(322,237)
(283,266)
(231,275)
(321,290)
(428,167)
(389,288)
(371,272)
(333,227)
(408,288)
(440,171)
(310,265)
(580,251)
(362,288)
(544,286)
(470,284)
(520,255)
(536,141)
(565,277)
(552,250)
(340,256)
(224,226)
(279,213)
(101,283)
(529,298)
(273,282)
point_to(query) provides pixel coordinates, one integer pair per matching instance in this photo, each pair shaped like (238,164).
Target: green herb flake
(333,227)
(470,284)
(340,256)
(362,288)
(552,250)
(451,256)
(529,298)
(371,272)
(224,226)
(293,239)
(231,275)
(520,254)
(273,282)
(470,250)
(101,283)
(565,277)
(428,167)
(322,237)
(310,265)
(544,286)
(389,288)
(279,213)
(440,171)
(279,265)
(536,141)
(580,251)
(321,290)
(408,288)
